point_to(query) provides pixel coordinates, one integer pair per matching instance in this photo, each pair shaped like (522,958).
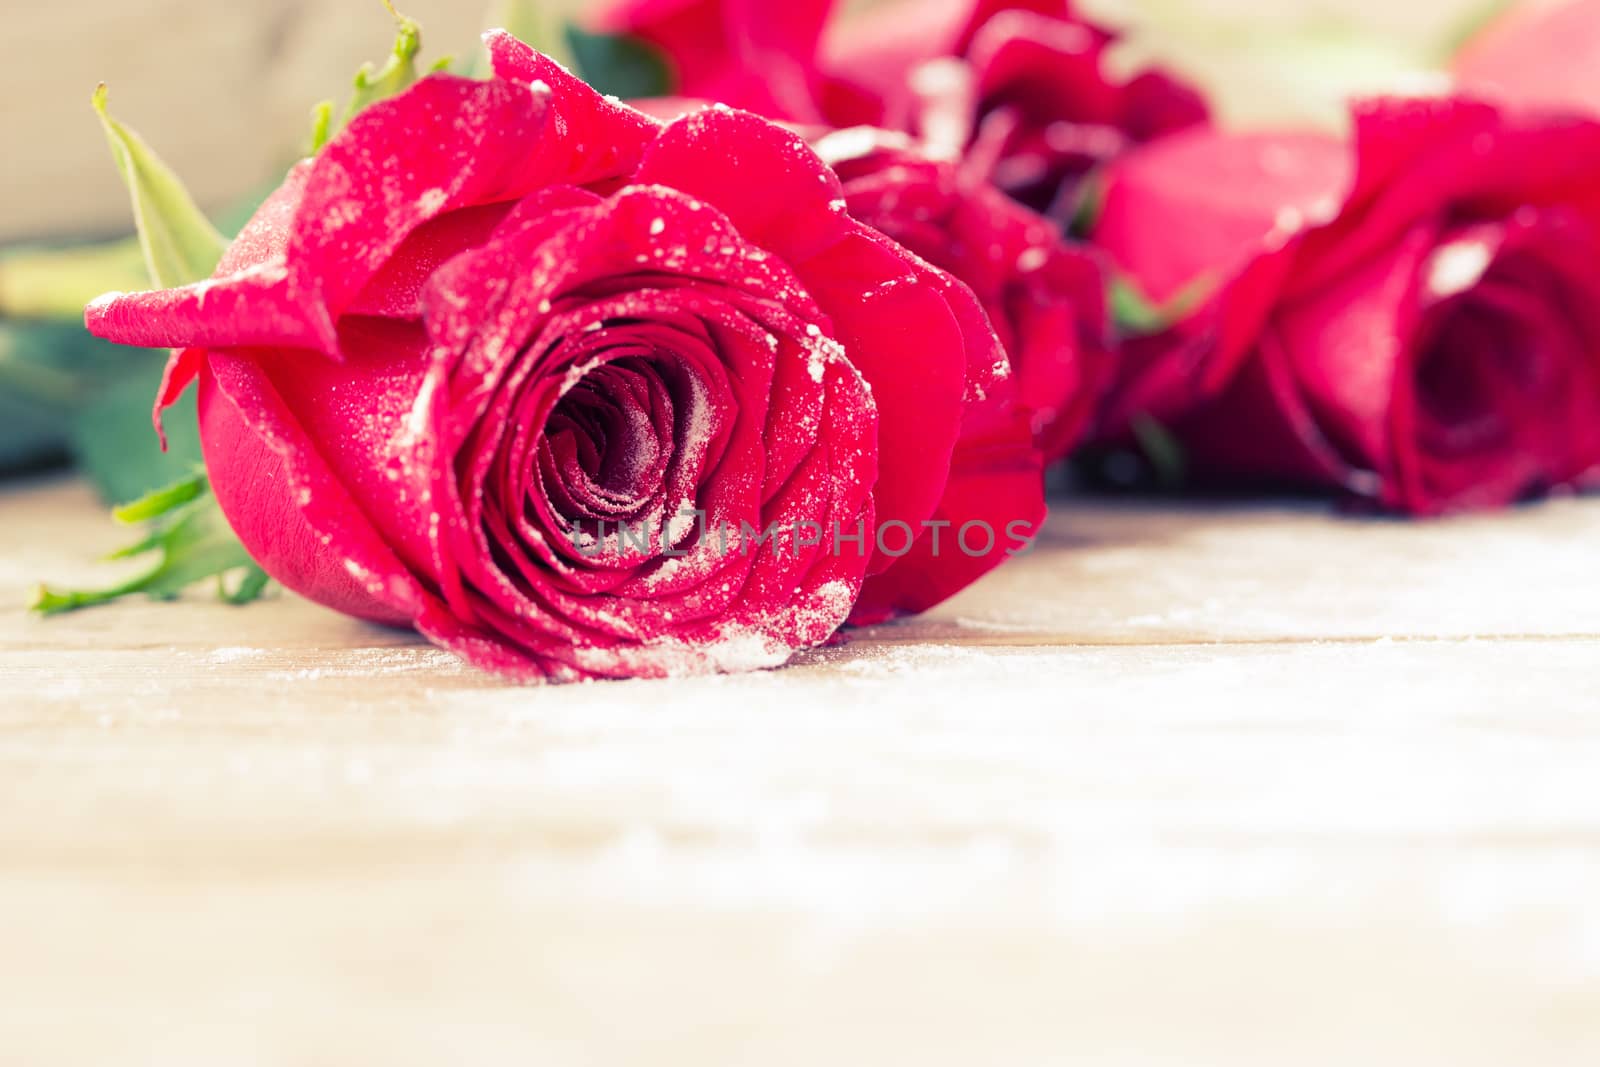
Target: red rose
(1538,56)
(1422,333)
(529,371)
(1044,296)
(1018,88)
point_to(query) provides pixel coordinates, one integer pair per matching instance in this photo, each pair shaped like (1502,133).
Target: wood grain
(1193,784)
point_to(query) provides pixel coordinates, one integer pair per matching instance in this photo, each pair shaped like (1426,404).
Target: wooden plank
(1194,784)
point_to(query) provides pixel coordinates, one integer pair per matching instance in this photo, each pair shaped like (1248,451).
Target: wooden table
(1193,784)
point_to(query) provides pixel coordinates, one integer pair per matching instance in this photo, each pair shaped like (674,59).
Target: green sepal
(619,65)
(1136,315)
(373,83)
(398,73)
(1167,457)
(1087,205)
(179,243)
(193,540)
(321,127)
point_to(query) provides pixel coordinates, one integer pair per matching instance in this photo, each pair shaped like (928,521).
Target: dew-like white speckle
(576,374)
(1458,266)
(1032,259)
(340,215)
(817,367)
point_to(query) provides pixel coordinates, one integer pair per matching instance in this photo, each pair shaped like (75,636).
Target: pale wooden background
(223,89)
(1192,785)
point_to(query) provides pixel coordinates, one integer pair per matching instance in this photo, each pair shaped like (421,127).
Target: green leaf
(48,370)
(32,369)
(619,65)
(193,541)
(163,500)
(65,392)
(252,584)
(31,432)
(112,439)
(179,243)
(159,502)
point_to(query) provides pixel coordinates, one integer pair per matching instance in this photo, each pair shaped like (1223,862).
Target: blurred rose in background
(1264,61)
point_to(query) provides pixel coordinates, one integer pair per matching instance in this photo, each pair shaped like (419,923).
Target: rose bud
(1044,296)
(1421,333)
(578,394)
(1019,89)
